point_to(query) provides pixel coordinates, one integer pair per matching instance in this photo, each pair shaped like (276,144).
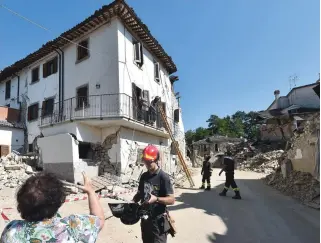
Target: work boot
(202,187)
(223,193)
(237,195)
(208,188)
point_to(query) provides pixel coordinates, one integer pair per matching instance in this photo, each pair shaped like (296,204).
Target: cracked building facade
(91,106)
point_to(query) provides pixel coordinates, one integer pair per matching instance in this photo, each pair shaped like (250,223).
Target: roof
(5,123)
(119,9)
(295,88)
(217,138)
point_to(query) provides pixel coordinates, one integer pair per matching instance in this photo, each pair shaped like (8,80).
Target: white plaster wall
(12,137)
(82,131)
(143,77)
(13,94)
(100,68)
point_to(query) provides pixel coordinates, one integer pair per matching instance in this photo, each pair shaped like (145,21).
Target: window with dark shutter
(35,75)
(138,53)
(33,112)
(8,89)
(82,50)
(176,115)
(82,97)
(156,71)
(47,107)
(50,67)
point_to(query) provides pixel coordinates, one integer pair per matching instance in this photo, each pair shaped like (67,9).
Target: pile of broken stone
(299,185)
(266,163)
(14,170)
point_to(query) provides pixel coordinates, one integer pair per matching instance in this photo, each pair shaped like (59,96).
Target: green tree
(189,137)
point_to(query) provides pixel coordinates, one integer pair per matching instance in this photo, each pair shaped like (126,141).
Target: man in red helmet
(155,190)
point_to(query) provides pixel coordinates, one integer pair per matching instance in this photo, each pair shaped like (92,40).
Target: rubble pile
(263,162)
(14,170)
(299,185)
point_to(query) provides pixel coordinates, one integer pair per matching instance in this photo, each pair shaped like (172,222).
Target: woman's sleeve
(85,228)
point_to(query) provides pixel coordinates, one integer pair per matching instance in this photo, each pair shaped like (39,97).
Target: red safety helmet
(150,154)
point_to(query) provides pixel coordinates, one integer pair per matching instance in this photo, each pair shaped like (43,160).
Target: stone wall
(303,152)
(102,157)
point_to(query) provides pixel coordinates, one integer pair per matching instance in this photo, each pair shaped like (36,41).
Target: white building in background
(91,104)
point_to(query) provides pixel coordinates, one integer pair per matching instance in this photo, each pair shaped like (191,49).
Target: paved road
(262,216)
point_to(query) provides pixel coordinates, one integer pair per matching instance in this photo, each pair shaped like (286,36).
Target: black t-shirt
(229,164)
(159,185)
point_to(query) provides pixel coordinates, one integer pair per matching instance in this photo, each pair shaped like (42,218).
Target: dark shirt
(229,164)
(159,185)
(206,168)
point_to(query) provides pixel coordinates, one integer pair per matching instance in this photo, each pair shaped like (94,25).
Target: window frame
(45,72)
(157,71)
(78,107)
(45,114)
(32,72)
(33,119)
(140,60)
(8,94)
(78,59)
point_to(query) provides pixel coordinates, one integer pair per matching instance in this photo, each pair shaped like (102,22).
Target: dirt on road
(263,215)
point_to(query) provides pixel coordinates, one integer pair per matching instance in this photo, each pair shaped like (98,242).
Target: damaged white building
(87,98)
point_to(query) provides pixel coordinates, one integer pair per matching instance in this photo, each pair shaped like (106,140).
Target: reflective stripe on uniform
(226,188)
(236,189)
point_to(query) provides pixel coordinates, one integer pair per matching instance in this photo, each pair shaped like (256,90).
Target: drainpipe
(18,96)
(59,84)
(62,78)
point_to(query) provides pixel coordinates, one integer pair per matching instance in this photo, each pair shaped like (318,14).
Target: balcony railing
(101,107)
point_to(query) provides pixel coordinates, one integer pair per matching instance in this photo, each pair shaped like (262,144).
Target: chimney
(276,94)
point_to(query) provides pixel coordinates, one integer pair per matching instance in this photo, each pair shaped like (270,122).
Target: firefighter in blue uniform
(206,173)
(228,168)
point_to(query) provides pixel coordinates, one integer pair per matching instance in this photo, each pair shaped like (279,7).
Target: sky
(230,55)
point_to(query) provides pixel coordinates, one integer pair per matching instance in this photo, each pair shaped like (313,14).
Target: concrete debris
(14,171)
(299,185)
(263,162)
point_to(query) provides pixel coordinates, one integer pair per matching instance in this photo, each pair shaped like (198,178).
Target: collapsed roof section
(119,9)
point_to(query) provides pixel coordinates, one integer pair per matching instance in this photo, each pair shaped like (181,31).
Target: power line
(43,27)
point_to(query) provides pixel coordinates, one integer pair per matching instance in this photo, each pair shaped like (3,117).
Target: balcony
(102,110)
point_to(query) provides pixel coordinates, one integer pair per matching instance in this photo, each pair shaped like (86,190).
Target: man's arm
(223,169)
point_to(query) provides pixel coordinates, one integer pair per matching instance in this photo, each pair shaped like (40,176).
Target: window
(35,75)
(138,53)
(82,50)
(30,147)
(47,107)
(8,89)
(50,67)
(33,112)
(176,115)
(156,71)
(85,150)
(82,97)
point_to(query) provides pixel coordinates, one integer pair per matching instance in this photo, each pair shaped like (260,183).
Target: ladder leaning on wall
(176,146)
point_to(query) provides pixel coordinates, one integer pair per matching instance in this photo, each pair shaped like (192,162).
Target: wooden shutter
(141,55)
(146,96)
(55,64)
(43,109)
(176,115)
(29,113)
(44,70)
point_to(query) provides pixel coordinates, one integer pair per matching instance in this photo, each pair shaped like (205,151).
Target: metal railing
(101,107)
